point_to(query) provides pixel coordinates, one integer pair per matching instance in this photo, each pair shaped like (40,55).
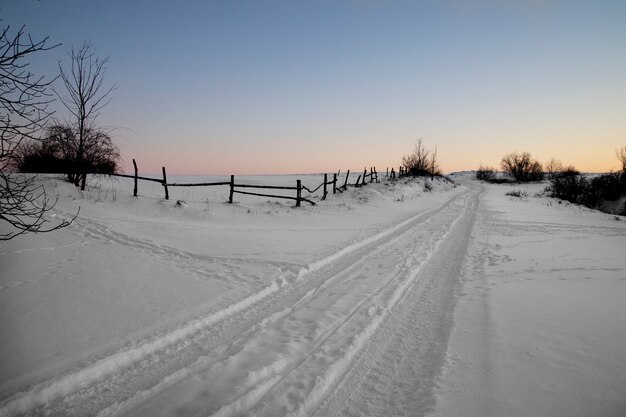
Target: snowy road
(361,332)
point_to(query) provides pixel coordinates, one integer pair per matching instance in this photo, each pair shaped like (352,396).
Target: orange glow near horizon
(179,161)
(259,88)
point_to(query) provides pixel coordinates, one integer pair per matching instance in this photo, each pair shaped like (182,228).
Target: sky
(282,86)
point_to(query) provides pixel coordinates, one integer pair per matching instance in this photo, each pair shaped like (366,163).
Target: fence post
(376,174)
(345,184)
(232,189)
(167,194)
(364,175)
(334,183)
(298,192)
(136,174)
(325,182)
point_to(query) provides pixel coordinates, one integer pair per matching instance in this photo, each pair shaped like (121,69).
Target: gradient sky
(280,86)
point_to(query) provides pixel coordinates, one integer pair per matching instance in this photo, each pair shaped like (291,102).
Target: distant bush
(571,187)
(593,192)
(59,150)
(486,174)
(489,174)
(522,167)
(568,171)
(421,162)
(517,193)
(552,168)
(606,187)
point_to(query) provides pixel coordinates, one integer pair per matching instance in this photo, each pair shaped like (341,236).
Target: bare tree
(553,167)
(85,96)
(522,167)
(24,98)
(621,155)
(417,163)
(434,165)
(57,151)
(24,101)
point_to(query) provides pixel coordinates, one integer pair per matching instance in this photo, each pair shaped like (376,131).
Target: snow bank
(540,326)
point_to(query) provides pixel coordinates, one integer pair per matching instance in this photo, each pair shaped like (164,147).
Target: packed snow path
(361,332)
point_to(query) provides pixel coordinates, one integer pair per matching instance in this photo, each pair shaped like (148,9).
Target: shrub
(421,162)
(575,188)
(605,187)
(517,193)
(58,152)
(553,167)
(522,167)
(486,174)
(570,187)
(568,171)
(592,192)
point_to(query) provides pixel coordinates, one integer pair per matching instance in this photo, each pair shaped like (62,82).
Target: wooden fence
(236,188)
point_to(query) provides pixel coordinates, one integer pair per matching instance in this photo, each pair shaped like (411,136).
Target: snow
(383,300)
(540,324)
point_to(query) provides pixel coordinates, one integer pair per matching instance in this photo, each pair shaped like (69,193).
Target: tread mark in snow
(344,289)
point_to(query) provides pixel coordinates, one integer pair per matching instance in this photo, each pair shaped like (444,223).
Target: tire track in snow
(281,369)
(370,336)
(397,371)
(257,385)
(260,326)
(163,347)
(228,266)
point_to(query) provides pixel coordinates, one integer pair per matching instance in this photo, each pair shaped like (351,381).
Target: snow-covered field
(540,323)
(384,300)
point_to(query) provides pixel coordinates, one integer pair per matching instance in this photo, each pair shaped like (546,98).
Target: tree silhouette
(57,152)
(84,98)
(621,155)
(553,168)
(522,167)
(419,162)
(24,101)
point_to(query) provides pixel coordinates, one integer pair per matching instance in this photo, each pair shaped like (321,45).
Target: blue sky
(309,86)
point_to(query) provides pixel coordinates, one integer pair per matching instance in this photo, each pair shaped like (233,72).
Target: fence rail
(235,187)
(197,184)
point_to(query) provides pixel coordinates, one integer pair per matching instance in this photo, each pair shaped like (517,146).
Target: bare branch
(419,163)
(24,101)
(522,167)
(85,96)
(58,151)
(553,168)
(621,155)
